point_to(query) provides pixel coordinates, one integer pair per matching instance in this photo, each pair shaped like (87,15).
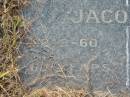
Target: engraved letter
(92,16)
(79,19)
(120,19)
(104,19)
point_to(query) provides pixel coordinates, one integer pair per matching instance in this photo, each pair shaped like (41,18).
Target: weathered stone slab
(77,43)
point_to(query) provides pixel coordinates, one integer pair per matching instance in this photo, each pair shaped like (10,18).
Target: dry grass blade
(12,27)
(67,92)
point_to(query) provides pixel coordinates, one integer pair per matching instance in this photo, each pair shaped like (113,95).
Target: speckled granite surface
(71,45)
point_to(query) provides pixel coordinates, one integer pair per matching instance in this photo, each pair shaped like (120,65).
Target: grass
(66,92)
(13,28)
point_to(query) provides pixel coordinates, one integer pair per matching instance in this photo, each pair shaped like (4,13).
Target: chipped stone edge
(128,57)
